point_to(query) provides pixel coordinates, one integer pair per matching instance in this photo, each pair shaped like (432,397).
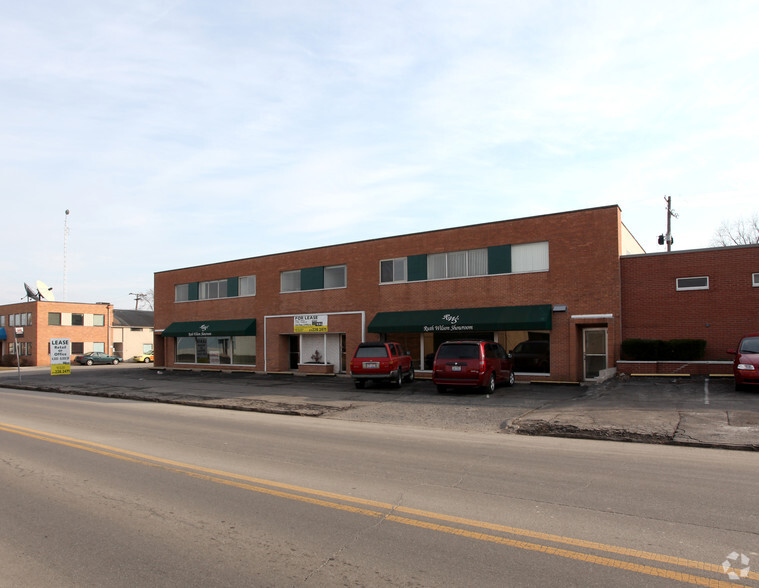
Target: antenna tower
(65,249)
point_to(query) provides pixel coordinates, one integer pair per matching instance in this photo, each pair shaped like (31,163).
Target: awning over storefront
(211,328)
(3,335)
(496,318)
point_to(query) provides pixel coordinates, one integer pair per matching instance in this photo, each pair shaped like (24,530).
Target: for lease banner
(60,357)
(311,323)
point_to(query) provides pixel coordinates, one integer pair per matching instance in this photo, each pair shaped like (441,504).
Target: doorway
(294,351)
(593,352)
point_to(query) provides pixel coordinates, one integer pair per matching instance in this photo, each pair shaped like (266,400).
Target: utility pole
(137,298)
(670,213)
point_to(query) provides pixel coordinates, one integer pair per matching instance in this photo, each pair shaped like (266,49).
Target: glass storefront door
(594,352)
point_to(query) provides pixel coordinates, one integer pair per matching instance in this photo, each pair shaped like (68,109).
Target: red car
(746,362)
(481,364)
(380,362)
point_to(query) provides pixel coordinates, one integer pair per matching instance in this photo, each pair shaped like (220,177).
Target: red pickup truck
(381,362)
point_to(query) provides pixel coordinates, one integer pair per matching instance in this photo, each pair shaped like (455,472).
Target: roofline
(701,250)
(56,302)
(577,211)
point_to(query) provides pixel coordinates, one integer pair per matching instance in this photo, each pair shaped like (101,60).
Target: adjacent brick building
(87,326)
(553,279)
(710,294)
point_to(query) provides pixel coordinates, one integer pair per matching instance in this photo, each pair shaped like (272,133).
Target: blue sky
(182,133)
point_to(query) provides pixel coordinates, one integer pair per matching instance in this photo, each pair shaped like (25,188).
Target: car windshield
(378,351)
(750,345)
(465,351)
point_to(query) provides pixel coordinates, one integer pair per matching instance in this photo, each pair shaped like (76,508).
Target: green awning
(496,318)
(211,328)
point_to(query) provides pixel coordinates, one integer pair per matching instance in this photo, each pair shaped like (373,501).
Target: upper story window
(529,257)
(698,283)
(231,287)
(314,278)
(77,319)
(20,319)
(393,270)
(457,264)
(335,276)
(2,320)
(290,281)
(98,320)
(246,286)
(755,280)
(53,318)
(213,289)
(181,292)
(487,261)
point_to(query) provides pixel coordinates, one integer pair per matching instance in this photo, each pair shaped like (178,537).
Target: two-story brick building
(553,279)
(87,326)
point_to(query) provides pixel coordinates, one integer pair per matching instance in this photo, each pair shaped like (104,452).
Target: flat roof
(392,237)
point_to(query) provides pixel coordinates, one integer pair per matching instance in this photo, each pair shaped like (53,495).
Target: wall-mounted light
(560,308)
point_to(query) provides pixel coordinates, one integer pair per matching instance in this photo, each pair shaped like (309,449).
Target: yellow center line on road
(318,497)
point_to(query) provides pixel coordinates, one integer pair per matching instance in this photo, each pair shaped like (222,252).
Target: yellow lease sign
(60,357)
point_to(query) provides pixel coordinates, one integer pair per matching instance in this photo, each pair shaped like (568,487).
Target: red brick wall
(39,332)
(584,275)
(653,309)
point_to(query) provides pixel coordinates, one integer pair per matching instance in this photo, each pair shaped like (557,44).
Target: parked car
(144,357)
(532,356)
(481,364)
(96,357)
(746,362)
(381,362)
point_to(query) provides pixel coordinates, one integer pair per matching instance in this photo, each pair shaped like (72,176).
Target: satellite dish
(31,293)
(44,291)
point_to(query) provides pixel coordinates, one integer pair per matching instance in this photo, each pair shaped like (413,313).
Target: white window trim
(282,281)
(345,276)
(445,255)
(679,288)
(186,292)
(255,285)
(755,280)
(404,279)
(207,284)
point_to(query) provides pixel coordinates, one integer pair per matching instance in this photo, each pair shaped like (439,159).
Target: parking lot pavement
(687,411)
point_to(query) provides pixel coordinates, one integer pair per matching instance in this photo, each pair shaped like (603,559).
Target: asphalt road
(99,491)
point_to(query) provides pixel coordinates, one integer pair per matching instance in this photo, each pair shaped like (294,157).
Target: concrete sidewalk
(703,412)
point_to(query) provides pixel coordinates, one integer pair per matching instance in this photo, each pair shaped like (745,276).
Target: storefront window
(530,349)
(244,350)
(185,350)
(216,350)
(213,350)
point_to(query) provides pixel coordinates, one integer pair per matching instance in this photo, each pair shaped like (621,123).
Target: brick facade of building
(581,287)
(722,312)
(35,319)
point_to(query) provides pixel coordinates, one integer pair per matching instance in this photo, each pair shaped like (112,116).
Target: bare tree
(143,298)
(742,231)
